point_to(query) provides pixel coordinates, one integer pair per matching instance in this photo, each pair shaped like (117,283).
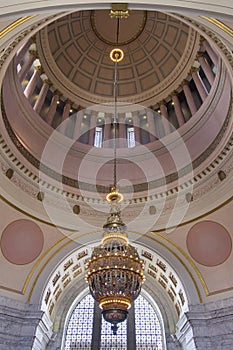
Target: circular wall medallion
(209,243)
(22,242)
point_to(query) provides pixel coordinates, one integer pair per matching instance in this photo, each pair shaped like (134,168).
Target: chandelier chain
(115,119)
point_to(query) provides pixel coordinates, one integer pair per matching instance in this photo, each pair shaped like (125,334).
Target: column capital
(33,53)
(67,101)
(185,82)
(194,70)
(200,54)
(47,81)
(162,102)
(57,93)
(38,68)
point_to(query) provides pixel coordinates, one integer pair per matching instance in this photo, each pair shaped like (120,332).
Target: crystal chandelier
(115,270)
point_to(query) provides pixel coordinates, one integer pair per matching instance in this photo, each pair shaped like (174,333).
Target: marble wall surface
(207,327)
(22,326)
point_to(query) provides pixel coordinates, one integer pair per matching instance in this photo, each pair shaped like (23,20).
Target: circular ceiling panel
(209,243)
(22,242)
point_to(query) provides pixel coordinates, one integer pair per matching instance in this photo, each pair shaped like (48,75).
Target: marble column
(23,50)
(41,97)
(64,119)
(189,98)
(178,110)
(78,123)
(137,127)
(52,109)
(199,85)
(28,91)
(92,128)
(122,131)
(131,334)
(206,68)
(210,52)
(164,114)
(151,125)
(26,66)
(96,334)
(107,130)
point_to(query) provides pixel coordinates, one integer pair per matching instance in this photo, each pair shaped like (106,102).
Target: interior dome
(158,52)
(174,165)
(62,79)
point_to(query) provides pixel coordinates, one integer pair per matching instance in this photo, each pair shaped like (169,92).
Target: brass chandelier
(115,270)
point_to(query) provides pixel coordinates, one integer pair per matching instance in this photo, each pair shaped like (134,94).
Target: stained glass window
(79,330)
(147,326)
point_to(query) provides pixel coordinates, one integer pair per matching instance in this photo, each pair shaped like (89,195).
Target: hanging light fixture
(115,270)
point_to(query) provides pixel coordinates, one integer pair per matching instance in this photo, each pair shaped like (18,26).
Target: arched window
(148,329)
(79,330)
(86,328)
(131,137)
(98,139)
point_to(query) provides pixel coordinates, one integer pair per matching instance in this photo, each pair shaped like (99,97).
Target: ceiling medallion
(119,11)
(117,55)
(115,270)
(131,27)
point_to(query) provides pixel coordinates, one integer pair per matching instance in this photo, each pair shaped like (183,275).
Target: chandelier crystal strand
(115,270)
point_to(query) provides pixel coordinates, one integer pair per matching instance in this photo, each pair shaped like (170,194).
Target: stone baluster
(206,68)
(164,114)
(52,109)
(178,110)
(199,85)
(26,66)
(28,91)
(189,98)
(41,97)
(64,118)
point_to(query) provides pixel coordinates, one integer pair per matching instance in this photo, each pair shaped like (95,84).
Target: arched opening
(85,327)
